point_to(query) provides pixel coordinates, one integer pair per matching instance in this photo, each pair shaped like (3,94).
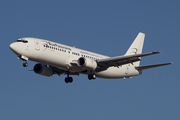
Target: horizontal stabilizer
(151,66)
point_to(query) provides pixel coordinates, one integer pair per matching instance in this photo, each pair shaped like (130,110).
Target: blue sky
(102,26)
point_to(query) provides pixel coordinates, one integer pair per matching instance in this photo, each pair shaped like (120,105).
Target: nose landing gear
(24,58)
(25,64)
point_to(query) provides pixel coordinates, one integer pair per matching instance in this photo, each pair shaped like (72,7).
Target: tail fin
(136,47)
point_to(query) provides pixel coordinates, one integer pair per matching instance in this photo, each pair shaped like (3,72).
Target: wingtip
(169,63)
(156,52)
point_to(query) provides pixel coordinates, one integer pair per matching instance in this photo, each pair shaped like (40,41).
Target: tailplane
(151,66)
(136,47)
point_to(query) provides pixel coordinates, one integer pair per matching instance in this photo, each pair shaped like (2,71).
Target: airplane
(54,58)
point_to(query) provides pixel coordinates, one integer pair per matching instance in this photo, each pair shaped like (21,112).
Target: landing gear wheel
(25,64)
(91,76)
(68,80)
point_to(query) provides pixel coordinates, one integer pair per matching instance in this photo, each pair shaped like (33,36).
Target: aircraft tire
(91,76)
(68,80)
(25,64)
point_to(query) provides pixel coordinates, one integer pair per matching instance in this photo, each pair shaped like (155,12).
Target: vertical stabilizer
(136,47)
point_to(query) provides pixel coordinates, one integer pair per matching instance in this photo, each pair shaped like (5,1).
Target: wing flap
(60,71)
(151,66)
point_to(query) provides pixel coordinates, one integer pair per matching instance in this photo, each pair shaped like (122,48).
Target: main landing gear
(68,79)
(91,76)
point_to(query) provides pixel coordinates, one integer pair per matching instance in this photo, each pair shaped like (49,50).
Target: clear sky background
(107,27)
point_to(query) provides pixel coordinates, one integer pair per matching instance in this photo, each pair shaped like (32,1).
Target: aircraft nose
(14,47)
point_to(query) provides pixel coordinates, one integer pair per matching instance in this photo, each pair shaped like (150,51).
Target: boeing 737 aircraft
(55,58)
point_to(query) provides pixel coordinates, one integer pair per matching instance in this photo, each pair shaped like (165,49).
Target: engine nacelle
(43,70)
(86,63)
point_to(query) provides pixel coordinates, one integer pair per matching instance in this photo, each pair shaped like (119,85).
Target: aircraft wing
(60,71)
(121,60)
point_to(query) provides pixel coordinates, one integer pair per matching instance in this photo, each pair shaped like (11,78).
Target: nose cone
(14,47)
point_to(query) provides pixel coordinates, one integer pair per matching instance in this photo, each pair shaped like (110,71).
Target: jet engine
(43,70)
(86,63)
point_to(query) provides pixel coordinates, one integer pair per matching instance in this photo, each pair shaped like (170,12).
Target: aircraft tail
(136,47)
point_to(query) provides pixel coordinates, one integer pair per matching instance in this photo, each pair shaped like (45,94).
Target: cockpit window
(24,41)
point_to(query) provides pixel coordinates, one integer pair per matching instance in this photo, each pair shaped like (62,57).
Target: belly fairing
(121,72)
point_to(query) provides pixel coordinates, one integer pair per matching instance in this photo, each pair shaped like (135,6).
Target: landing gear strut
(24,58)
(68,79)
(91,76)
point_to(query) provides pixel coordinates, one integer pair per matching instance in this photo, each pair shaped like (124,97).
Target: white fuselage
(61,56)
